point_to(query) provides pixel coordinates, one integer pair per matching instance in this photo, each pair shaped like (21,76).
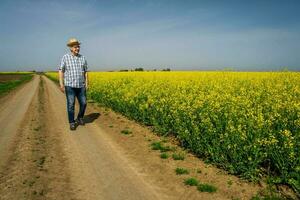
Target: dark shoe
(80,121)
(72,126)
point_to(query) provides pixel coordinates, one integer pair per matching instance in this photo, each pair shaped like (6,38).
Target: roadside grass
(126,131)
(206,188)
(159,146)
(201,187)
(271,192)
(164,140)
(156,145)
(164,155)
(180,171)
(268,197)
(191,182)
(178,156)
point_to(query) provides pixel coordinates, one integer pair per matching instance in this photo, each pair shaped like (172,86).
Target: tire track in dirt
(12,112)
(35,168)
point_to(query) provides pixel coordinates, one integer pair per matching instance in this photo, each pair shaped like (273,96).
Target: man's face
(75,49)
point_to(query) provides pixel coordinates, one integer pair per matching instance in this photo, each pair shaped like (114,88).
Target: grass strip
(10,85)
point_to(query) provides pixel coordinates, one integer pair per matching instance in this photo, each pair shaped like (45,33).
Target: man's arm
(61,70)
(86,74)
(86,80)
(61,80)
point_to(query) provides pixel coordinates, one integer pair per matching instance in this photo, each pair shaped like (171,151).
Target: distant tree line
(142,69)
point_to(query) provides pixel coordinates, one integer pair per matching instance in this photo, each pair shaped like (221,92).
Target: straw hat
(72,42)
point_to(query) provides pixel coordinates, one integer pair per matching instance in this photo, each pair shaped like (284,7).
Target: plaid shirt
(74,68)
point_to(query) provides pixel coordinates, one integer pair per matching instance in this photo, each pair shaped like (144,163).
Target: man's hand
(62,88)
(86,86)
(61,81)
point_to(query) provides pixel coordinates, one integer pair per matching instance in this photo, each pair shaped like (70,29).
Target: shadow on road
(91,117)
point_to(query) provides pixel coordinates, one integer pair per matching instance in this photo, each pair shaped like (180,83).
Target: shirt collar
(78,56)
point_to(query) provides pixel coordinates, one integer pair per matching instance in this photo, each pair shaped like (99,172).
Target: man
(73,80)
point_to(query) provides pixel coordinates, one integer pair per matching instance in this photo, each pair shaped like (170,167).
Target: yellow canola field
(245,122)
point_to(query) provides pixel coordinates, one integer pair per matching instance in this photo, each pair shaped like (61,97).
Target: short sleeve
(62,66)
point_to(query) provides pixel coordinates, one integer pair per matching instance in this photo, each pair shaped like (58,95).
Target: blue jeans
(71,93)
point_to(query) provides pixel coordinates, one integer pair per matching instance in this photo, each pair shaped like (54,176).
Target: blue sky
(153,34)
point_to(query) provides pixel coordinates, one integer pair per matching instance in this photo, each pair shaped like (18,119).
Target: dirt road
(12,112)
(40,158)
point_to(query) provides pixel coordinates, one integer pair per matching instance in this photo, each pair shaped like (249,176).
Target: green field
(9,80)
